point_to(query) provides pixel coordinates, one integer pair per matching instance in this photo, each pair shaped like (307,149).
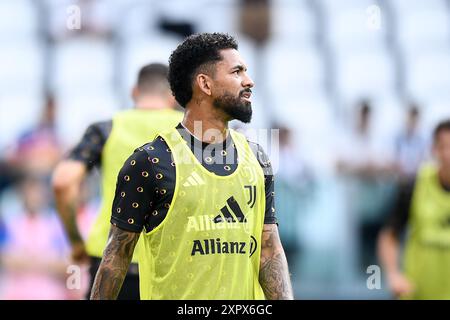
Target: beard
(234,106)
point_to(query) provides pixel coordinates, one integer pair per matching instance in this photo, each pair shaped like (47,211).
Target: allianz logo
(203,247)
(206,223)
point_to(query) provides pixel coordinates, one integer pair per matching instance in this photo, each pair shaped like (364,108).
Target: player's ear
(134,93)
(204,83)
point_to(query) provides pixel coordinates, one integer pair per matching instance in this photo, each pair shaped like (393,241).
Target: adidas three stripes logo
(194,180)
(226,213)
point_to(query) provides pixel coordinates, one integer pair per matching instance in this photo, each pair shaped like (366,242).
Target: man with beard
(201,193)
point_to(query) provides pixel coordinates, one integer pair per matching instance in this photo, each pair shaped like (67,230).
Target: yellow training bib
(427,253)
(209,244)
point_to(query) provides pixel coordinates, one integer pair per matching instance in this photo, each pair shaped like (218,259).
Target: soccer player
(204,196)
(107,145)
(423,206)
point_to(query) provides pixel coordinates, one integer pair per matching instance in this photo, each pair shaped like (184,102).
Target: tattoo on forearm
(114,265)
(274,274)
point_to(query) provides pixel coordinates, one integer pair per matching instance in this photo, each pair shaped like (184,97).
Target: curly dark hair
(196,52)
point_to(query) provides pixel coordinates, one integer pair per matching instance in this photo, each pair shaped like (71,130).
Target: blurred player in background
(424,206)
(107,145)
(210,226)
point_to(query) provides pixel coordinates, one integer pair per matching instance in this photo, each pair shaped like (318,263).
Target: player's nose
(247,82)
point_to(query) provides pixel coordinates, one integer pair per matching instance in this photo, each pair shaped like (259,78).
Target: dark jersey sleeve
(398,218)
(269,183)
(89,149)
(134,193)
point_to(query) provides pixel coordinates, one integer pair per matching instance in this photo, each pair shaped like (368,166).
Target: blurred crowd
(347,136)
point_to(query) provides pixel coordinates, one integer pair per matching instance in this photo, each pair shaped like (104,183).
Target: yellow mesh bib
(209,244)
(427,253)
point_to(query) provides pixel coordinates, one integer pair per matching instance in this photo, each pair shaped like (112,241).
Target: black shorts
(130,286)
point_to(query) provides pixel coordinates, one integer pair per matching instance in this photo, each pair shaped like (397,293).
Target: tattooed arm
(273,271)
(66,181)
(114,266)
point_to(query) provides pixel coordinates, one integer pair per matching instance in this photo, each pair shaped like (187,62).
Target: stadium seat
(138,19)
(405,7)
(21,65)
(18,20)
(293,20)
(175,10)
(76,111)
(312,120)
(364,74)
(101,15)
(428,74)
(354,29)
(293,69)
(219,16)
(18,112)
(344,5)
(423,29)
(82,63)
